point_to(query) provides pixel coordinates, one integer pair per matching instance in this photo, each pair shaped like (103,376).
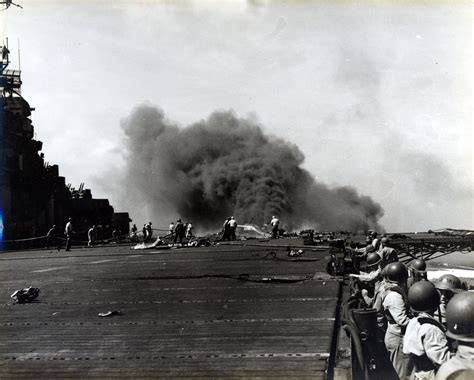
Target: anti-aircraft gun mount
(409,246)
(343,259)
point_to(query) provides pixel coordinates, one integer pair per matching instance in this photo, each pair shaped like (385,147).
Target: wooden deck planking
(177,319)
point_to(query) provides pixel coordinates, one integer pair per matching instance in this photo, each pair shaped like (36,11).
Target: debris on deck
(110,313)
(25,295)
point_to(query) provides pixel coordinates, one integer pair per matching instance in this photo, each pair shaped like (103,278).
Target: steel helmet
(459,319)
(396,272)
(449,282)
(419,265)
(373,258)
(385,240)
(423,296)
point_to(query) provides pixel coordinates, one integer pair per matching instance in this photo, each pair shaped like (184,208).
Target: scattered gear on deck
(25,295)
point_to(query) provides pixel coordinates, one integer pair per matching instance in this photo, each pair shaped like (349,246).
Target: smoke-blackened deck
(228,310)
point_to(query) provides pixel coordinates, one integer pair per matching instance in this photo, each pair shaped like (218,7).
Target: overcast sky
(376,95)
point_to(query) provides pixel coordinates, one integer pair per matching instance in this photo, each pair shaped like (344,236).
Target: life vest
(422,362)
(387,314)
(430,321)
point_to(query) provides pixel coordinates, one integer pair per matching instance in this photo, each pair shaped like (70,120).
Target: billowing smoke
(225,166)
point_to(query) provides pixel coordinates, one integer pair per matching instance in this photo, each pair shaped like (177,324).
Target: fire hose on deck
(354,333)
(360,323)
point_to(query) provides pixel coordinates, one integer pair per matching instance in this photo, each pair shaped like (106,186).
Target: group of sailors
(180,230)
(420,323)
(230,226)
(52,238)
(228,229)
(176,231)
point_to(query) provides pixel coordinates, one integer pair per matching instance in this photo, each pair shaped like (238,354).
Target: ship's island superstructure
(33,194)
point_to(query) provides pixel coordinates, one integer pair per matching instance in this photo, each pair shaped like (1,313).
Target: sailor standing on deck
(179,231)
(68,233)
(460,321)
(91,234)
(275,223)
(396,309)
(149,231)
(425,341)
(133,234)
(51,236)
(225,229)
(189,230)
(232,227)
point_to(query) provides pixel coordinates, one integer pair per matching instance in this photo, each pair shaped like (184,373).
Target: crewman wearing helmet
(375,239)
(448,285)
(460,321)
(396,309)
(380,289)
(416,272)
(388,254)
(425,340)
(363,252)
(369,280)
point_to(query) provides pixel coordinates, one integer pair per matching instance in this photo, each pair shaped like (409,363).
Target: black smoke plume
(225,166)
